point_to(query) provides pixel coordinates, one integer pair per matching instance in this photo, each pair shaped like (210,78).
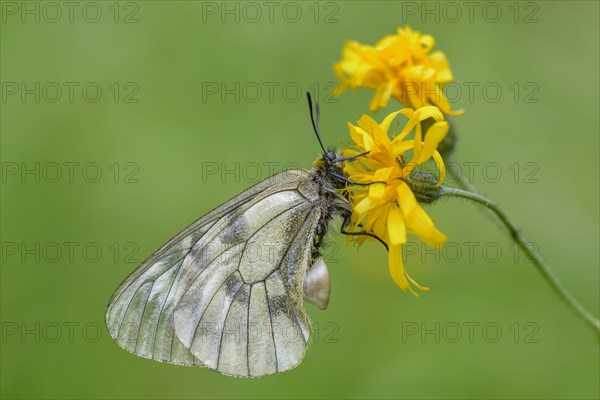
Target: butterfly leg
(341,159)
(351,182)
(362,233)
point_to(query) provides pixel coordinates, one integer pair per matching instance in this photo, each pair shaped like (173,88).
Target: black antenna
(312,118)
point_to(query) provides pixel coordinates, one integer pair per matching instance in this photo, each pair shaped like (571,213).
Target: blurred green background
(157,130)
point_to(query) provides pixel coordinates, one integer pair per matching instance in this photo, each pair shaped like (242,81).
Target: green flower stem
(464,183)
(524,245)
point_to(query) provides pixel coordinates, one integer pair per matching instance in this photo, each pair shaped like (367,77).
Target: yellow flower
(402,66)
(389,209)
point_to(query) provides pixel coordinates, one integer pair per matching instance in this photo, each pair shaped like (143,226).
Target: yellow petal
(396,227)
(386,95)
(418,149)
(408,113)
(439,161)
(416,219)
(376,190)
(443,103)
(397,267)
(367,123)
(387,121)
(367,138)
(435,134)
(425,112)
(423,288)
(371,126)
(364,205)
(415,99)
(418,222)
(400,147)
(374,217)
(377,99)
(398,272)
(427,42)
(406,198)
(444,74)
(356,137)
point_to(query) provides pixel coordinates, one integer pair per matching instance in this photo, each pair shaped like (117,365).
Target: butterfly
(228,291)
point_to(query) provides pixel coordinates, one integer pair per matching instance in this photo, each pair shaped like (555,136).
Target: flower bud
(424,185)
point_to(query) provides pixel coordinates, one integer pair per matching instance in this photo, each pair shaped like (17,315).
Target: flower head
(383,202)
(401,66)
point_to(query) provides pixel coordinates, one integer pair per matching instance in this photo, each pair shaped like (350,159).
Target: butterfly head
(330,155)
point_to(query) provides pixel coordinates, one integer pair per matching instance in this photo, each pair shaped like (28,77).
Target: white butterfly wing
(227,291)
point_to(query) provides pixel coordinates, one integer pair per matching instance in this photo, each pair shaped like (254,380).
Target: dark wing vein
(248,330)
(230,247)
(225,322)
(133,297)
(285,286)
(209,303)
(155,258)
(137,341)
(161,311)
(130,301)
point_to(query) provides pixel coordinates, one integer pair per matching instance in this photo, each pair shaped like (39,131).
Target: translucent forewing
(226,292)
